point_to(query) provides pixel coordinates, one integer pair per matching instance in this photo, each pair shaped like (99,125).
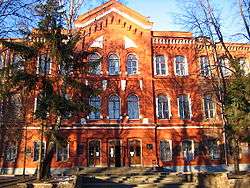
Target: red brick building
(153,108)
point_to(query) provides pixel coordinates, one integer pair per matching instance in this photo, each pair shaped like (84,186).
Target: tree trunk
(236,154)
(40,163)
(45,172)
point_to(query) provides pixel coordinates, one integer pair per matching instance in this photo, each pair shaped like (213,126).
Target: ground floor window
(37,150)
(80,149)
(188,150)
(10,153)
(213,149)
(62,153)
(166,150)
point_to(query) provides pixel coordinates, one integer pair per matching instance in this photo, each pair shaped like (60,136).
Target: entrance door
(94,153)
(135,152)
(114,153)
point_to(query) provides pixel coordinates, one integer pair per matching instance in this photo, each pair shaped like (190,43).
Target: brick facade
(147,140)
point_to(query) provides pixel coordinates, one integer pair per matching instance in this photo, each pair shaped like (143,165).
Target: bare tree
(244,6)
(202,17)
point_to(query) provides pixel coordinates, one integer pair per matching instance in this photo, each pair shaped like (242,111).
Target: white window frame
(38,64)
(137,64)
(99,66)
(225,66)
(185,66)
(190,106)
(119,106)
(99,109)
(57,148)
(204,108)
(192,148)
(166,65)
(202,67)
(119,64)
(35,105)
(169,106)
(171,149)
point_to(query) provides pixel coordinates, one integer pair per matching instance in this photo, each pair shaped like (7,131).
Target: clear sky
(164,13)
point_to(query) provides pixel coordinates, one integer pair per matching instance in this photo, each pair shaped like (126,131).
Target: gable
(113,7)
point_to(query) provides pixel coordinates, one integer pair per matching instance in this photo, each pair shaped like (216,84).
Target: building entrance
(94,153)
(114,153)
(134,152)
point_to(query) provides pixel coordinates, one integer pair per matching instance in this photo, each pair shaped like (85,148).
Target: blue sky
(164,13)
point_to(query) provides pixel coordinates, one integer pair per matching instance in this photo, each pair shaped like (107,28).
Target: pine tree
(62,94)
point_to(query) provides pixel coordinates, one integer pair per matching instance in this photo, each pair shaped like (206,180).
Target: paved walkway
(11,181)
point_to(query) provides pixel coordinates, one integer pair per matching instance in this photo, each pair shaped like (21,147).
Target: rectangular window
(184,105)
(181,66)
(95,103)
(163,107)
(18,62)
(224,66)
(213,149)
(62,153)
(44,64)
(209,107)
(10,153)
(80,149)
(37,150)
(188,150)
(205,68)
(166,150)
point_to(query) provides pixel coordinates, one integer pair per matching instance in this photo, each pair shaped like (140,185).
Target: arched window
(114,107)
(160,65)
(181,66)
(163,107)
(95,103)
(114,64)
(132,64)
(94,60)
(209,106)
(133,107)
(184,105)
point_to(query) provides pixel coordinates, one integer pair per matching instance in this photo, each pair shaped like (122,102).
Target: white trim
(98,42)
(169,107)
(123,14)
(134,127)
(37,64)
(35,105)
(190,106)
(192,142)
(129,43)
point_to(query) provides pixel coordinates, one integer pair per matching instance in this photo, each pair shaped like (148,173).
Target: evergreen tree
(62,93)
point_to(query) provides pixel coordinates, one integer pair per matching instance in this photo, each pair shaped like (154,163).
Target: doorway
(134,152)
(114,153)
(94,154)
